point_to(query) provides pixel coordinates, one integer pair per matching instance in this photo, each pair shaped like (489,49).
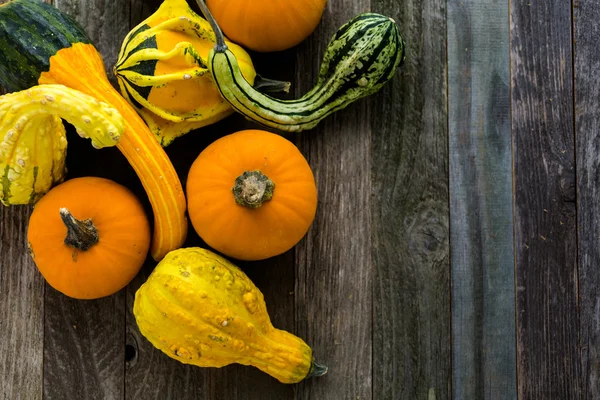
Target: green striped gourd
(361,57)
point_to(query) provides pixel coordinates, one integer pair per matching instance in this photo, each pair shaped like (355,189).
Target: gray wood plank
(334,269)
(587,123)
(84,352)
(411,321)
(481,220)
(84,347)
(22,310)
(153,375)
(548,356)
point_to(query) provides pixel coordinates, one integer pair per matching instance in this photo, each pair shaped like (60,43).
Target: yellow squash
(33,142)
(162,71)
(200,309)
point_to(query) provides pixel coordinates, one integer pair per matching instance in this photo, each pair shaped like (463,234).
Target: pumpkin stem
(220,45)
(252,189)
(80,234)
(316,369)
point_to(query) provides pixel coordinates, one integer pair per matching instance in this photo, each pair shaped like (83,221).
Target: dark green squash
(30,33)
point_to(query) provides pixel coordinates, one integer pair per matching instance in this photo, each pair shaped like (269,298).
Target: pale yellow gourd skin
(33,139)
(200,309)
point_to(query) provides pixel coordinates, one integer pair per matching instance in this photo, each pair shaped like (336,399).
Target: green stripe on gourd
(30,33)
(361,57)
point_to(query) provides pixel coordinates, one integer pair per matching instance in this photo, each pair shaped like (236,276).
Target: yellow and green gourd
(200,309)
(162,72)
(33,138)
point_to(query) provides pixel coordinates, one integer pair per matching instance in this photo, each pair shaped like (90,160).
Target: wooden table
(456,247)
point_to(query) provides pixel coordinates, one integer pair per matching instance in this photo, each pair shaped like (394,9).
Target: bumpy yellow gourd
(162,71)
(200,309)
(33,140)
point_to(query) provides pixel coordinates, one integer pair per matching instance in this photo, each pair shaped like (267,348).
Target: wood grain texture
(483,295)
(411,321)
(548,358)
(22,310)
(84,351)
(587,122)
(334,270)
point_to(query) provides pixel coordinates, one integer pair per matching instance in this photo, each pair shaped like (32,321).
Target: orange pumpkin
(267,25)
(89,237)
(251,195)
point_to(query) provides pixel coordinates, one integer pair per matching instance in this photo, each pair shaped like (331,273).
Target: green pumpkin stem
(220,45)
(316,369)
(81,235)
(252,189)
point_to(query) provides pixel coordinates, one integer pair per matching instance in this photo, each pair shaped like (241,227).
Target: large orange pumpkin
(251,195)
(89,237)
(267,25)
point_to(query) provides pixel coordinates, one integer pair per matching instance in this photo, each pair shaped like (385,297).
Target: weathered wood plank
(152,374)
(587,123)
(411,321)
(84,352)
(483,295)
(334,270)
(22,310)
(83,347)
(548,358)
(105,22)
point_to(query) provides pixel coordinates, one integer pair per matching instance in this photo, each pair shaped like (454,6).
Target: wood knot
(567,184)
(427,228)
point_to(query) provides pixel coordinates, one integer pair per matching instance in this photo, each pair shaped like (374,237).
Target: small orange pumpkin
(251,195)
(88,237)
(267,25)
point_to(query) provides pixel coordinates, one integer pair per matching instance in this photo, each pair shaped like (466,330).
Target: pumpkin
(40,45)
(161,70)
(267,25)
(33,138)
(251,195)
(199,309)
(88,237)
(361,57)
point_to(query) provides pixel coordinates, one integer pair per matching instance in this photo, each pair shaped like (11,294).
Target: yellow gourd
(200,309)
